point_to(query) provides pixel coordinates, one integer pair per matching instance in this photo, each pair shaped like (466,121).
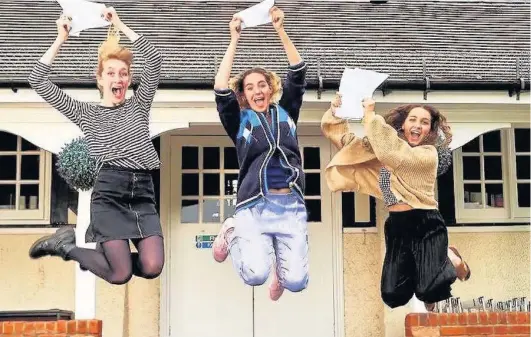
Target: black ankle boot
(58,244)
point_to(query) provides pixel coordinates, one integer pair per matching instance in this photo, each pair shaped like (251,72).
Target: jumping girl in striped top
(117,135)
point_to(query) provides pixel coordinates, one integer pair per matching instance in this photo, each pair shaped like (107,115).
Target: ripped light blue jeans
(273,229)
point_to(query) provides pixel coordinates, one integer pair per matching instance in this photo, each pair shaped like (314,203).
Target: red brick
(51,327)
(453,330)
(40,327)
(493,318)
(511,317)
(433,319)
(61,327)
(95,327)
(479,330)
(453,319)
(522,318)
(443,319)
(473,318)
(29,328)
(462,319)
(411,320)
(501,329)
(82,327)
(483,318)
(502,318)
(8,327)
(423,319)
(71,327)
(18,327)
(521,329)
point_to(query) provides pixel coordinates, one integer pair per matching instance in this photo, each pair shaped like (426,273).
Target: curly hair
(397,116)
(111,49)
(272,79)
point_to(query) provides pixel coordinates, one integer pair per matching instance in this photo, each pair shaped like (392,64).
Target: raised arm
(389,148)
(149,81)
(226,101)
(38,79)
(295,84)
(336,129)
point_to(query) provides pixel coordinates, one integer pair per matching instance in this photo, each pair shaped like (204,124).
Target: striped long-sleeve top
(117,136)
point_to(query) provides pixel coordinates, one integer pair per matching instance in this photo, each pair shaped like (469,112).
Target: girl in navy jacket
(269,226)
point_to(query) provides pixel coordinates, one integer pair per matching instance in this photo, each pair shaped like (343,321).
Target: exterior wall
(49,283)
(499,262)
(362,271)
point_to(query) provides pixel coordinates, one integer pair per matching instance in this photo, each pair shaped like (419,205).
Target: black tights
(114,262)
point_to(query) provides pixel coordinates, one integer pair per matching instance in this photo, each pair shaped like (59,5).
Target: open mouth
(259,101)
(118,92)
(415,135)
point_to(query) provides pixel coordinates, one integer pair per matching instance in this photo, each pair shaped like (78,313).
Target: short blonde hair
(111,49)
(272,79)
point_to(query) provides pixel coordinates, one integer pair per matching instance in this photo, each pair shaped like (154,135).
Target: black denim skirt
(122,206)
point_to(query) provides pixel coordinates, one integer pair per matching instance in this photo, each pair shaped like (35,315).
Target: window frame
(40,216)
(510,213)
(518,212)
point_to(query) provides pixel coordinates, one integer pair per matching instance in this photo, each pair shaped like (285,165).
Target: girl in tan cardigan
(397,162)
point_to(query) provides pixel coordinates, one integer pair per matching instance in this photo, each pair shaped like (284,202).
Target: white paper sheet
(357,84)
(85,15)
(256,15)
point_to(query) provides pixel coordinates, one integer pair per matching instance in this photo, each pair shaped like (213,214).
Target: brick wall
(81,328)
(476,324)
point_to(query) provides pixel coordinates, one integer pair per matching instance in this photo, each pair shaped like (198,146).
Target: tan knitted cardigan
(356,168)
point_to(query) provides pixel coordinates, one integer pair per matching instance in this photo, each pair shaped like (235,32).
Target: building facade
(475,71)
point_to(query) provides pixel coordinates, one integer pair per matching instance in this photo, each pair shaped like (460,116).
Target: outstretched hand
(336,103)
(64,24)
(235,26)
(277,18)
(109,14)
(368,106)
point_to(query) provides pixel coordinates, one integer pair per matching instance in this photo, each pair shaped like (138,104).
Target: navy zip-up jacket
(256,142)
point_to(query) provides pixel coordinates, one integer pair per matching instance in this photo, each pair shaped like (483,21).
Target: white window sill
(26,231)
(360,230)
(488,229)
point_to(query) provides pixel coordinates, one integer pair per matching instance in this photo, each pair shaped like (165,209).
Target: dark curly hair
(397,116)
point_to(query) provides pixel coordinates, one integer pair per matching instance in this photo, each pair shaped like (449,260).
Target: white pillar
(85,280)
(417,305)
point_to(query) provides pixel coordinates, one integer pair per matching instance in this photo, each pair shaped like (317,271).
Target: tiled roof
(457,39)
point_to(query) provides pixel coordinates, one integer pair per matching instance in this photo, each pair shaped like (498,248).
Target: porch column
(85,280)
(417,305)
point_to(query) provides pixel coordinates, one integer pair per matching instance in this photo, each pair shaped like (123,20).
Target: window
(209,176)
(24,171)
(358,210)
(521,166)
(491,178)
